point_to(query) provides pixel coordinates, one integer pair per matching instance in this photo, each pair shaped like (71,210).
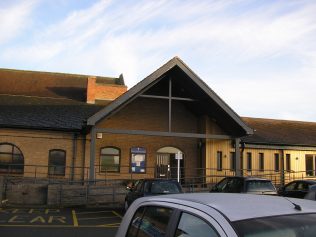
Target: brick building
(78,127)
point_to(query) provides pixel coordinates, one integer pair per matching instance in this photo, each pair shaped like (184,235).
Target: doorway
(167,164)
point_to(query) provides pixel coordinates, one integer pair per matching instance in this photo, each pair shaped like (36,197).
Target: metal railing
(189,177)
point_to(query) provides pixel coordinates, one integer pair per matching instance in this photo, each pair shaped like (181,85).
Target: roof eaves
(214,96)
(176,61)
(10,126)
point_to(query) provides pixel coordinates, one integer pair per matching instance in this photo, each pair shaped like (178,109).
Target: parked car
(150,187)
(250,185)
(219,214)
(311,195)
(296,189)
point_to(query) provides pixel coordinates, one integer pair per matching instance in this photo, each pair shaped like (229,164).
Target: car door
(290,190)
(137,192)
(301,189)
(175,220)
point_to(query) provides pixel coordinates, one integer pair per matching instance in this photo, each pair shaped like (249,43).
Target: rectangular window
(310,165)
(138,159)
(276,162)
(288,162)
(232,161)
(219,161)
(249,161)
(261,161)
(57,162)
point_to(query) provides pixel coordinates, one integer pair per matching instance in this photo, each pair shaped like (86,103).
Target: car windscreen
(165,187)
(301,225)
(259,185)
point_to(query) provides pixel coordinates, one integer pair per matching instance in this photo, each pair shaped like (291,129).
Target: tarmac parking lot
(59,222)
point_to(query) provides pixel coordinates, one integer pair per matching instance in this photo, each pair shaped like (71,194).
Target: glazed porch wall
(35,146)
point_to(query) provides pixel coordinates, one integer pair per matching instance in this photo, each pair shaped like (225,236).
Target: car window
(290,187)
(303,225)
(133,228)
(152,221)
(164,187)
(302,186)
(234,186)
(222,185)
(192,226)
(259,185)
(139,186)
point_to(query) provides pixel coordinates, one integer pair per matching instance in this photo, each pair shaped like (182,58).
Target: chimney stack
(91,90)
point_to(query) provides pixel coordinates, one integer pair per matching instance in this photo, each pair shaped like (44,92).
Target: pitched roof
(48,84)
(224,112)
(281,132)
(44,113)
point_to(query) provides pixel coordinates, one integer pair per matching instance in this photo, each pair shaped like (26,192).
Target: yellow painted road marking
(74,217)
(110,225)
(92,212)
(53,226)
(115,213)
(96,218)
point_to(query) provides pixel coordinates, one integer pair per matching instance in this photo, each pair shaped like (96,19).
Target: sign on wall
(138,160)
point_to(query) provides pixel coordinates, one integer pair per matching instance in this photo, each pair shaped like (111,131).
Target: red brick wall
(96,91)
(109,92)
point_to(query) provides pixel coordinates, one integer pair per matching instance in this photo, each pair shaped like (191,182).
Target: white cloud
(13,19)
(236,47)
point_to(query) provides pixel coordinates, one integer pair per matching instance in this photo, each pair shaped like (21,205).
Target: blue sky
(258,56)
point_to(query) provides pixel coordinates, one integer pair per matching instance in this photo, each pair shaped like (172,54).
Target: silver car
(219,214)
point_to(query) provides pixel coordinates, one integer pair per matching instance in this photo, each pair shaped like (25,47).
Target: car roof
(240,206)
(248,178)
(309,181)
(159,180)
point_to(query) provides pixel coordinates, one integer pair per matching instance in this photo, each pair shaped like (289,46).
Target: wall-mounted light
(99,135)
(296,158)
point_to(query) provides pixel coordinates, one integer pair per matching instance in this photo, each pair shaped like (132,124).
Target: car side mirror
(130,187)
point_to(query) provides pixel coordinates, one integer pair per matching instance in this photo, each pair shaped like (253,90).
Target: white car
(219,214)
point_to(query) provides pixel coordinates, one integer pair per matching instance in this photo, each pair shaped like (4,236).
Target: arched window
(11,159)
(57,162)
(110,159)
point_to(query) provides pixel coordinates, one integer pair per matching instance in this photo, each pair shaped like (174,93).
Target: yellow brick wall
(35,146)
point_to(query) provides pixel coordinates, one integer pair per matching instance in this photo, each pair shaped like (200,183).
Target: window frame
(232,161)
(49,165)
(276,162)
(310,172)
(288,162)
(249,161)
(261,161)
(12,154)
(219,160)
(100,160)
